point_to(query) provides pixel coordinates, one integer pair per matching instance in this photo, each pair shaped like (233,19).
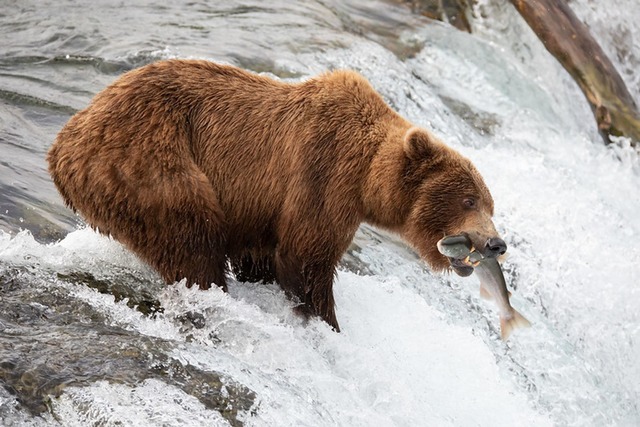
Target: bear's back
(264,147)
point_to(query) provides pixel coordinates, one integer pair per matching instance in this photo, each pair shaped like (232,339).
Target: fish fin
(484,293)
(507,326)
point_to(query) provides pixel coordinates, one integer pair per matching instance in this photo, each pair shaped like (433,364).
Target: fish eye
(469,202)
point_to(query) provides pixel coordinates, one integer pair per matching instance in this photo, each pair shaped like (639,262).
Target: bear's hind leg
(175,225)
(196,250)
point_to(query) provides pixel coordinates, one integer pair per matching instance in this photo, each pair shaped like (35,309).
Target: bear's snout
(494,247)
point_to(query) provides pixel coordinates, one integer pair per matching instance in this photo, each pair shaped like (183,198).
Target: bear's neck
(386,203)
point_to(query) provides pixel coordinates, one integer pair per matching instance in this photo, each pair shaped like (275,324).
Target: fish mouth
(461,267)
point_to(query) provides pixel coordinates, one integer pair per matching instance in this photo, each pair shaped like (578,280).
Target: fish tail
(507,325)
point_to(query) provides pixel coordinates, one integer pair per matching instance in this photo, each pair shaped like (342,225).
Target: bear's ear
(418,144)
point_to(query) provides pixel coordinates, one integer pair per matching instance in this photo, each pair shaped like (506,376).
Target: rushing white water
(417,349)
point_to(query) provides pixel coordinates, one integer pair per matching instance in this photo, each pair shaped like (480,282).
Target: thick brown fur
(191,164)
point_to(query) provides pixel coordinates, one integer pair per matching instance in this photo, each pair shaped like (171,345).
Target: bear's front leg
(318,281)
(311,283)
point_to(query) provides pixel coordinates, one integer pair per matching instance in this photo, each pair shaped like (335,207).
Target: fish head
(479,233)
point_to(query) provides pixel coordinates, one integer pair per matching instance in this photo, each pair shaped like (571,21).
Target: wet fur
(191,164)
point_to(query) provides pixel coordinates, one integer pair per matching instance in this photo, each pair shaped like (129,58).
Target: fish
(492,283)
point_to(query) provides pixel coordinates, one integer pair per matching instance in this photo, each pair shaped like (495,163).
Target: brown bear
(196,166)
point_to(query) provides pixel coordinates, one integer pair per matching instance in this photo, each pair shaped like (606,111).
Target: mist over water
(87,324)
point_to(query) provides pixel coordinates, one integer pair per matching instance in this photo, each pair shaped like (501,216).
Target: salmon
(492,283)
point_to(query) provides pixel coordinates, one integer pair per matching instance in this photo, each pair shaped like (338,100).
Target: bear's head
(449,197)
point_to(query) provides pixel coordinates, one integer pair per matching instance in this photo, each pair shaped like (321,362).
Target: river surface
(90,336)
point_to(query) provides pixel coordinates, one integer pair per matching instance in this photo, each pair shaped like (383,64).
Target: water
(89,335)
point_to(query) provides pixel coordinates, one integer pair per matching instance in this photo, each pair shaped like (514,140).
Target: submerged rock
(137,297)
(52,340)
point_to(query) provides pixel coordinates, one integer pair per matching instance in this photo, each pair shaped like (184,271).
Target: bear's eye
(469,202)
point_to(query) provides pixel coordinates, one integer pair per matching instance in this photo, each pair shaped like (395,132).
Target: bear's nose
(495,247)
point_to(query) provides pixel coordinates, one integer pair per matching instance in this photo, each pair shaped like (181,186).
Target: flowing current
(90,336)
